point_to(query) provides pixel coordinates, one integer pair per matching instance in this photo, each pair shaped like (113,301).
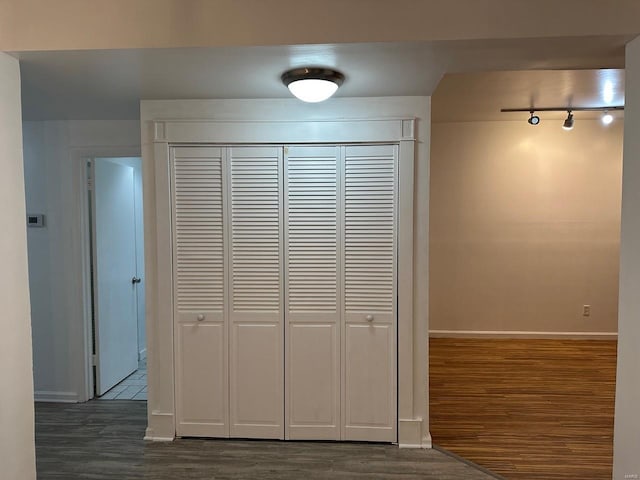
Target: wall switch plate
(586,310)
(35,220)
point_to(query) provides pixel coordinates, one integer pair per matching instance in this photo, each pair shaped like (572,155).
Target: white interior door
(313,299)
(285,254)
(256,359)
(201,332)
(116,331)
(369,337)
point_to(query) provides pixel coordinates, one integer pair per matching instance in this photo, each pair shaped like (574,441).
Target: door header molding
(279,132)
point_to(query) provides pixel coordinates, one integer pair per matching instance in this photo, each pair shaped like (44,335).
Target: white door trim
(159,130)
(79,158)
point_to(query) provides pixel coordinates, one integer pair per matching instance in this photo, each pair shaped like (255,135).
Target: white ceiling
(108,84)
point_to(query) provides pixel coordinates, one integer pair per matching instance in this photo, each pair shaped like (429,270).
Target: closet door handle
(135,280)
(369,318)
(200,317)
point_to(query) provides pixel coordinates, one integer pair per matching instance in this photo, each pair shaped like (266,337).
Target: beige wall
(82,24)
(525,226)
(17,453)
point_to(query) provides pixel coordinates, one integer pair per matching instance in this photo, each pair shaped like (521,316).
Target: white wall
(136,164)
(53,156)
(626,441)
(525,228)
(17,452)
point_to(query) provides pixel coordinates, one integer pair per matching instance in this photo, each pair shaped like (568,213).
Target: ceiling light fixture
(533,119)
(312,85)
(568,123)
(607,118)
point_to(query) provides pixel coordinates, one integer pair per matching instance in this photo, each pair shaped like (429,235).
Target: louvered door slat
(312,206)
(369,359)
(199,292)
(255,297)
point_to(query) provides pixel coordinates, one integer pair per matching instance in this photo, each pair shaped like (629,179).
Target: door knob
(200,317)
(369,318)
(135,280)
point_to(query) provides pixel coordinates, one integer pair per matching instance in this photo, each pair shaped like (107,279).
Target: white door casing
(116,330)
(387,120)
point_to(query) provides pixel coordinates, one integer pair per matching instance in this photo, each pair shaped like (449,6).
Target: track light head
(533,119)
(568,123)
(607,118)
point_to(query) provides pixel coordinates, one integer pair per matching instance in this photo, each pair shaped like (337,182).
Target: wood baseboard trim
(149,436)
(161,427)
(410,434)
(55,397)
(521,334)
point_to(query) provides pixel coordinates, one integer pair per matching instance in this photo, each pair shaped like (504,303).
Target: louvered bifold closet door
(369,355)
(312,299)
(256,394)
(199,291)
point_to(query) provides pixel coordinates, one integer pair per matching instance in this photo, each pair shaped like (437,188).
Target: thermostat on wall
(36,220)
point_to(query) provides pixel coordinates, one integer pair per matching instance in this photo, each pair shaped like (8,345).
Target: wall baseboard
(520,334)
(55,397)
(149,436)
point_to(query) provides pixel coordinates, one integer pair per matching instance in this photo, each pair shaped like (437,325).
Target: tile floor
(134,387)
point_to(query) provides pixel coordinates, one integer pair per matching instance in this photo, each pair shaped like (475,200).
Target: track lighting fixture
(568,123)
(312,85)
(533,119)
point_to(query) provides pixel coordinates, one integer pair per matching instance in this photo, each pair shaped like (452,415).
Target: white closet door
(369,355)
(313,295)
(199,292)
(256,359)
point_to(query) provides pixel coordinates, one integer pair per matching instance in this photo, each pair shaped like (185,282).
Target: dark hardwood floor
(525,409)
(103,440)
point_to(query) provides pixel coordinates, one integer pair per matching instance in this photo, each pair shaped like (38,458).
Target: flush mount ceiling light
(568,122)
(607,118)
(312,85)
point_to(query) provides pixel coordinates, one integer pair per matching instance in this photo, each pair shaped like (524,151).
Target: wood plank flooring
(103,440)
(525,409)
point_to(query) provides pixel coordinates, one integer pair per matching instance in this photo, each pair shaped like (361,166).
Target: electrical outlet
(586,310)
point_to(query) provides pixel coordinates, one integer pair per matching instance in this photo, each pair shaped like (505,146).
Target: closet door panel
(369,355)
(255,292)
(314,380)
(256,381)
(203,407)
(369,408)
(199,290)
(312,298)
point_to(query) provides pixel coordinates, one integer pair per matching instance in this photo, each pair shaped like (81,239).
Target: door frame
(380,120)
(80,157)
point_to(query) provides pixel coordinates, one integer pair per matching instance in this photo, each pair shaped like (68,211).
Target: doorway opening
(116,263)
(524,233)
